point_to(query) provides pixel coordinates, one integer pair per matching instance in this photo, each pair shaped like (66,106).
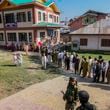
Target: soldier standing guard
(71,94)
(84,98)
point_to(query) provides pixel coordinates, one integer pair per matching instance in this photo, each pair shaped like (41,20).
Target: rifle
(63,92)
(63,95)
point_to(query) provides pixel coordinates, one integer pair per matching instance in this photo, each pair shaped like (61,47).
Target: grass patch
(14,79)
(105,55)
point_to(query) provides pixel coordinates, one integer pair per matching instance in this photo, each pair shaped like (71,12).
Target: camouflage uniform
(71,96)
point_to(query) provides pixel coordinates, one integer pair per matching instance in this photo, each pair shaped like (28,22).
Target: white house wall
(23,24)
(94,42)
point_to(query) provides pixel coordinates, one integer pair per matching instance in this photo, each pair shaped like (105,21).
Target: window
(9,18)
(39,16)
(75,45)
(88,20)
(21,17)
(0,18)
(42,35)
(50,16)
(29,16)
(105,42)
(83,42)
(44,17)
(1,37)
(11,36)
(30,36)
(55,19)
(22,37)
(50,32)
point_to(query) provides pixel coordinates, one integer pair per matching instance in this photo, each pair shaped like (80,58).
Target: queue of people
(95,68)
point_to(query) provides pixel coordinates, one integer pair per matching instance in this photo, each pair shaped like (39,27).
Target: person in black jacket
(76,66)
(97,71)
(67,61)
(84,100)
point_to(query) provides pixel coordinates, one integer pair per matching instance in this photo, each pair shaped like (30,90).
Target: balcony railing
(10,25)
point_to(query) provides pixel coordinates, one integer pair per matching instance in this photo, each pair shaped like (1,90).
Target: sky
(74,8)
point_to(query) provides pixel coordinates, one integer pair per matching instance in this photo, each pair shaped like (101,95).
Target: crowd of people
(95,68)
(22,47)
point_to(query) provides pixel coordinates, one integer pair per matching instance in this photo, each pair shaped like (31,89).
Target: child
(19,59)
(71,94)
(15,58)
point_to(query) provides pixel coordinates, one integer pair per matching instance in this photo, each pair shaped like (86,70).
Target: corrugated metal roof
(99,27)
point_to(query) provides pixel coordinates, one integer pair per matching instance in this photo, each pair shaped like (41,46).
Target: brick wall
(77,24)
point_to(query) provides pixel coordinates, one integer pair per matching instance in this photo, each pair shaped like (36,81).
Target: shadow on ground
(35,59)
(50,68)
(33,68)
(9,65)
(101,86)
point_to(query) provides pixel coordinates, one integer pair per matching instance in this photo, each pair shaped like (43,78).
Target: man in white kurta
(44,61)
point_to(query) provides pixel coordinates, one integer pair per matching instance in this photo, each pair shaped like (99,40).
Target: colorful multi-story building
(28,20)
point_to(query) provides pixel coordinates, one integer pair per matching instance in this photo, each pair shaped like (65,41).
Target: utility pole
(99,32)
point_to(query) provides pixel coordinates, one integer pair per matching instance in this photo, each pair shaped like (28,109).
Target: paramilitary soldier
(71,94)
(84,98)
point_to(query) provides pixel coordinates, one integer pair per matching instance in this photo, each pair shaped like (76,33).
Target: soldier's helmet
(83,96)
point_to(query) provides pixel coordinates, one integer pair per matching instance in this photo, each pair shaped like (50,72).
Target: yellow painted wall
(42,1)
(5,4)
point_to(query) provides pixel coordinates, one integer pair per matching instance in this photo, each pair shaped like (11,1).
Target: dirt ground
(48,96)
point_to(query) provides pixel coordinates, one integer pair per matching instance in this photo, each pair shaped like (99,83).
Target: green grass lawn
(106,56)
(14,78)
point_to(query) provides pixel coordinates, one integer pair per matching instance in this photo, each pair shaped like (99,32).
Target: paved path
(48,96)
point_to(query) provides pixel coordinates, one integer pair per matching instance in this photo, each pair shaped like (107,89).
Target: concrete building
(28,20)
(93,37)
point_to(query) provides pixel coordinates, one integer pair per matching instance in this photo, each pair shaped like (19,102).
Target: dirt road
(48,96)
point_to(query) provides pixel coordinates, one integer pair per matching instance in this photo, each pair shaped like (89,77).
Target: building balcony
(10,25)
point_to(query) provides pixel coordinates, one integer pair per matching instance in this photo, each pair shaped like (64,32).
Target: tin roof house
(95,36)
